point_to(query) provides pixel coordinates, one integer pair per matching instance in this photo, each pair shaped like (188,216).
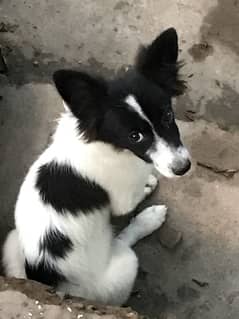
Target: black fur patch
(44,273)
(66,190)
(158,62)
(56,243)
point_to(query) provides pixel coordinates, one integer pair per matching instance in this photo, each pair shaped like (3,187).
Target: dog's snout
(181,167)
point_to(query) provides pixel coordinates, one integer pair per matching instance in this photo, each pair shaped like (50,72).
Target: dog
(100,163)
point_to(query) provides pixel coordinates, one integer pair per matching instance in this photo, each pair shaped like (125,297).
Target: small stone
(30,314)
(7,27)
(169,237)
(80,306)
(91,307)
(3,27)
(80,316)
(51,290)
(36,63)
(69,309)
(131,314)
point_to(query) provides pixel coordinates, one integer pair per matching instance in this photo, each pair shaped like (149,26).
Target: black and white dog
(99,163)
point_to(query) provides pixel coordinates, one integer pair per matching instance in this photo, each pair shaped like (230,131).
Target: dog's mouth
(177,170)
(171,162)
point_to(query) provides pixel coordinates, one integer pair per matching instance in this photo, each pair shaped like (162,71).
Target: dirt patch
(200,51)
(224,110)
(8,27)
(222,24)
(28,299)
(187,293)
(121,5)
(21,70)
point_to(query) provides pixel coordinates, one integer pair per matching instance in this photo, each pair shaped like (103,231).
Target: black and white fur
(99,164)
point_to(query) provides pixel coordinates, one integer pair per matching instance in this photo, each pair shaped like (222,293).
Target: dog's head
(134,112)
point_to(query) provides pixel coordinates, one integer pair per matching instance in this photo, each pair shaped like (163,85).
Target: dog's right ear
(83,94)
(158,62)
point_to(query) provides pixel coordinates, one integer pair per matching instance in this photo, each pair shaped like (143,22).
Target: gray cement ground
(103,36)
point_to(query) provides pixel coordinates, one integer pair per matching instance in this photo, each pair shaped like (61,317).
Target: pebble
(69,309)
(35,63)
(169,237)
(80,306)
(130,314)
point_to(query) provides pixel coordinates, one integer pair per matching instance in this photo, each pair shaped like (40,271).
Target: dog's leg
(118,280)
(151,185)
(115,284)
(12,256)
(144,224)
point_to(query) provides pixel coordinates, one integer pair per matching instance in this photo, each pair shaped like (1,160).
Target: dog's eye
(136,137)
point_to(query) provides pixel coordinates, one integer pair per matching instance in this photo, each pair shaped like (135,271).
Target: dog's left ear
(158,62)
(81,92)
(85,96)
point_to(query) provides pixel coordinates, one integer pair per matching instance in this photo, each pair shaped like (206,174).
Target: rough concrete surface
(25,299)
(199,277)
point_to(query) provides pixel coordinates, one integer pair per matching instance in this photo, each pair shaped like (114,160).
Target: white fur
(100,267)
(13,257)
(151,185)
(144,224)
(131,100)
(164,156)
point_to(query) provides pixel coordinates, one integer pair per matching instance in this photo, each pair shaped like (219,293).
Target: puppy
(99,163)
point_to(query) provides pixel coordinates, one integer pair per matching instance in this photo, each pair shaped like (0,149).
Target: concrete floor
(103,36)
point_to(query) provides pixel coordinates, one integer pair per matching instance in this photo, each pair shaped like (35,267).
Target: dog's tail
(13,257)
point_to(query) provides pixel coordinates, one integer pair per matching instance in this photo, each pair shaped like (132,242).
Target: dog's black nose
(181,167)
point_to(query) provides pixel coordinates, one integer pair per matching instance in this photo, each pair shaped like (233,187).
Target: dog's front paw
(151,185)
(152,218)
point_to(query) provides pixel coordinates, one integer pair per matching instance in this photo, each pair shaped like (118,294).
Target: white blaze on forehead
(131,101)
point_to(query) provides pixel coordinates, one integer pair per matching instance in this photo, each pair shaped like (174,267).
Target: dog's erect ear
(82,93)
(85,96)
(158,62)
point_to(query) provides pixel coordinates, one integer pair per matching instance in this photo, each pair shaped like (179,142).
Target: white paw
(151,218)
(151,185)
